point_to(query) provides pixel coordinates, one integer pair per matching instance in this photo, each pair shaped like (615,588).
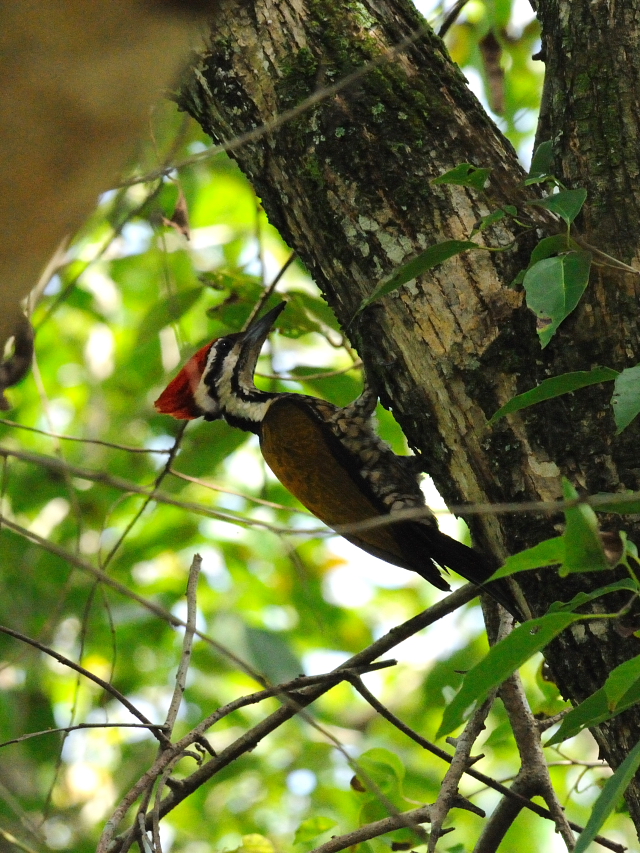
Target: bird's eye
(223,347)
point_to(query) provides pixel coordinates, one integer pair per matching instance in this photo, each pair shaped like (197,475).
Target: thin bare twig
(158,482)
(127,486)
(460,762)
(226,491)
(15,842)
(98,441)
(289,689)
(249,740)
(116,231)
(306,377)
(551,507)
(264,296)
(187,645)
(155,813)
(109,688)
(375,829)
(78,726)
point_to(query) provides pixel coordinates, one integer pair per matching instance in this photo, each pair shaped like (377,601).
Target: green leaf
(585,597)
(385,769)
(595,710)
(566,204)
(555,387)
(611,795)
(554,287)
(465,175)
(621,681)
(626,397)
(167,311)
(588,713)
(503,660)
(618,503)
(542,160)
(312,828)
(489,220)
(426,260)
(584,551)
(546,553)
(549,246)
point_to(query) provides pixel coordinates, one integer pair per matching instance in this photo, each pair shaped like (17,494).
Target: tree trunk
(348,184)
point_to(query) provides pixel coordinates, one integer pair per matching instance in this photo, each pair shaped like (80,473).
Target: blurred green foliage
(133,299)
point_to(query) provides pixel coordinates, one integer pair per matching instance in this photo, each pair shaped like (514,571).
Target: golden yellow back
(300,451)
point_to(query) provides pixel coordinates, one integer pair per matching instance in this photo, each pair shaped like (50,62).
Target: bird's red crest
(178,398)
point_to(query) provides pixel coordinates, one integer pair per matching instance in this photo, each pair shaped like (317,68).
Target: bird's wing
(324,476)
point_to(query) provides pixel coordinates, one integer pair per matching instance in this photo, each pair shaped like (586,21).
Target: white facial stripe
(228,402)
(204,400)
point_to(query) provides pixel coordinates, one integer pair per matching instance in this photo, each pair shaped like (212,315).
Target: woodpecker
(330,458)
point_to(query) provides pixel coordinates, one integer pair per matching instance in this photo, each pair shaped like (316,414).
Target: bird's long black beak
(257,332)
(250,343)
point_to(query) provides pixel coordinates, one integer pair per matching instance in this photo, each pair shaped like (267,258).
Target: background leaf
(169,310)
(626,397)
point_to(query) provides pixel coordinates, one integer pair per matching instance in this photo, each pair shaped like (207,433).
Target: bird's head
(217,382)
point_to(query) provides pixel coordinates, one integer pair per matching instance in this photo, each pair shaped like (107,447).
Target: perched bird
(330,458)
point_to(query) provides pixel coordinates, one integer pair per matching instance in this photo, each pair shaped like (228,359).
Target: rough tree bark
(347,183)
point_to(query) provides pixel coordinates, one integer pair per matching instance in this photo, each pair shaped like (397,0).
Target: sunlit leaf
(255,843)
(313,827)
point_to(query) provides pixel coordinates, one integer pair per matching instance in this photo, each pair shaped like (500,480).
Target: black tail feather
(424,541)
